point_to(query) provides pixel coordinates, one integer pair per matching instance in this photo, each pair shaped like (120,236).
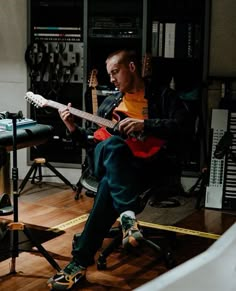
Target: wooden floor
(46,209)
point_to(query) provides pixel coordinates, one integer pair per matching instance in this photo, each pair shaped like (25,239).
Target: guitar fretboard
(82,114)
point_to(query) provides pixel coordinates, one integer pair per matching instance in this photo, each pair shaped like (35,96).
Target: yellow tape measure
(84,217)
(180,230)
(69,223)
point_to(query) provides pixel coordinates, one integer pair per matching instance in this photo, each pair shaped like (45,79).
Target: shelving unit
(178,40)
(55,59)
(112,27)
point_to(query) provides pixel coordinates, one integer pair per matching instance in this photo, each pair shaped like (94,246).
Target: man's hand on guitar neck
(67,117)
(127,126)
(131,125)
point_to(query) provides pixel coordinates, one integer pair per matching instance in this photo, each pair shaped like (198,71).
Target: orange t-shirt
(134,105)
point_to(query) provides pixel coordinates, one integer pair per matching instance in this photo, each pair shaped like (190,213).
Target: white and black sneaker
(68,277)
(131,233)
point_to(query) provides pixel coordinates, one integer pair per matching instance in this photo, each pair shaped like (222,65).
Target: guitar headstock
(147,66)
(93,78)
(35,99)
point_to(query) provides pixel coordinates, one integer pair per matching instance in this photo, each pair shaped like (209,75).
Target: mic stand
(17,226)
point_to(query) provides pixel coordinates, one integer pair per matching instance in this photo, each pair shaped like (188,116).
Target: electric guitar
(142,147)
(93,84)
(147,66)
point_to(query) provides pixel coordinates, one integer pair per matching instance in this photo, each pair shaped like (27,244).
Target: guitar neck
(94,101)
(82,114)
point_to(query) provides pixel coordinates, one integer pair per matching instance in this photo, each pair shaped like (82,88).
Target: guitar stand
(16,226)
(37,167)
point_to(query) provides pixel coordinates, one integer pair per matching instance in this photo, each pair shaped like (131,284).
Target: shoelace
(71,268)
(127,222)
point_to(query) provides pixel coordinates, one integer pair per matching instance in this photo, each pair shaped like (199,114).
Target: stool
(37,167)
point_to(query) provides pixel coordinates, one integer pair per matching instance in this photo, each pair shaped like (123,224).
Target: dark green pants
(121,179)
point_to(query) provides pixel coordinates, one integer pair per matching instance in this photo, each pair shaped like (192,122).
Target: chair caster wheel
(101,266)
(74,188)
(76,196)
(101,263)
(169,260)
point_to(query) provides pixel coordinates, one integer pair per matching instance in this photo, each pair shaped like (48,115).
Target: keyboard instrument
(221,191)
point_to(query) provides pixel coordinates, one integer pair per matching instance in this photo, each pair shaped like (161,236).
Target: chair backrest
(88,181)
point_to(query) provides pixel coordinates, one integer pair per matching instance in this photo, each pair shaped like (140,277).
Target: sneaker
(131,232)
(67,278)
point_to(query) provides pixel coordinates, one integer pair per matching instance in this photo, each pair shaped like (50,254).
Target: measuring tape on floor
(179,230)
(69,223)
(84,217)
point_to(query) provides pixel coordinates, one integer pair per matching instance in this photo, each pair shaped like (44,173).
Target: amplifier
(115,27)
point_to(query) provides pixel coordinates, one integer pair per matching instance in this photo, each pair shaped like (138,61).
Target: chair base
(163,250)
(160,242)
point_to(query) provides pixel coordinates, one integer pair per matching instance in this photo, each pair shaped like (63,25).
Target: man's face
(121,75)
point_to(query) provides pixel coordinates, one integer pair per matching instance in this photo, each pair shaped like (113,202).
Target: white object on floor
(214,269)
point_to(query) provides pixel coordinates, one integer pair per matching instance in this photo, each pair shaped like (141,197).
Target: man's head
(123,69)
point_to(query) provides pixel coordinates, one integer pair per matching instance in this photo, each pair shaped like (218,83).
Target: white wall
(223,38)
(13,72)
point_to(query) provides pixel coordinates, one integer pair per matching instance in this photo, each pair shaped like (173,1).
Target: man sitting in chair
(152,125)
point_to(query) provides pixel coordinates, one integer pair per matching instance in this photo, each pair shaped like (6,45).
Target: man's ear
(132,66)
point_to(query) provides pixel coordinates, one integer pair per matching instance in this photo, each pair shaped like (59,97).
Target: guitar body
(144,148)
(101,134)
(106,132)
